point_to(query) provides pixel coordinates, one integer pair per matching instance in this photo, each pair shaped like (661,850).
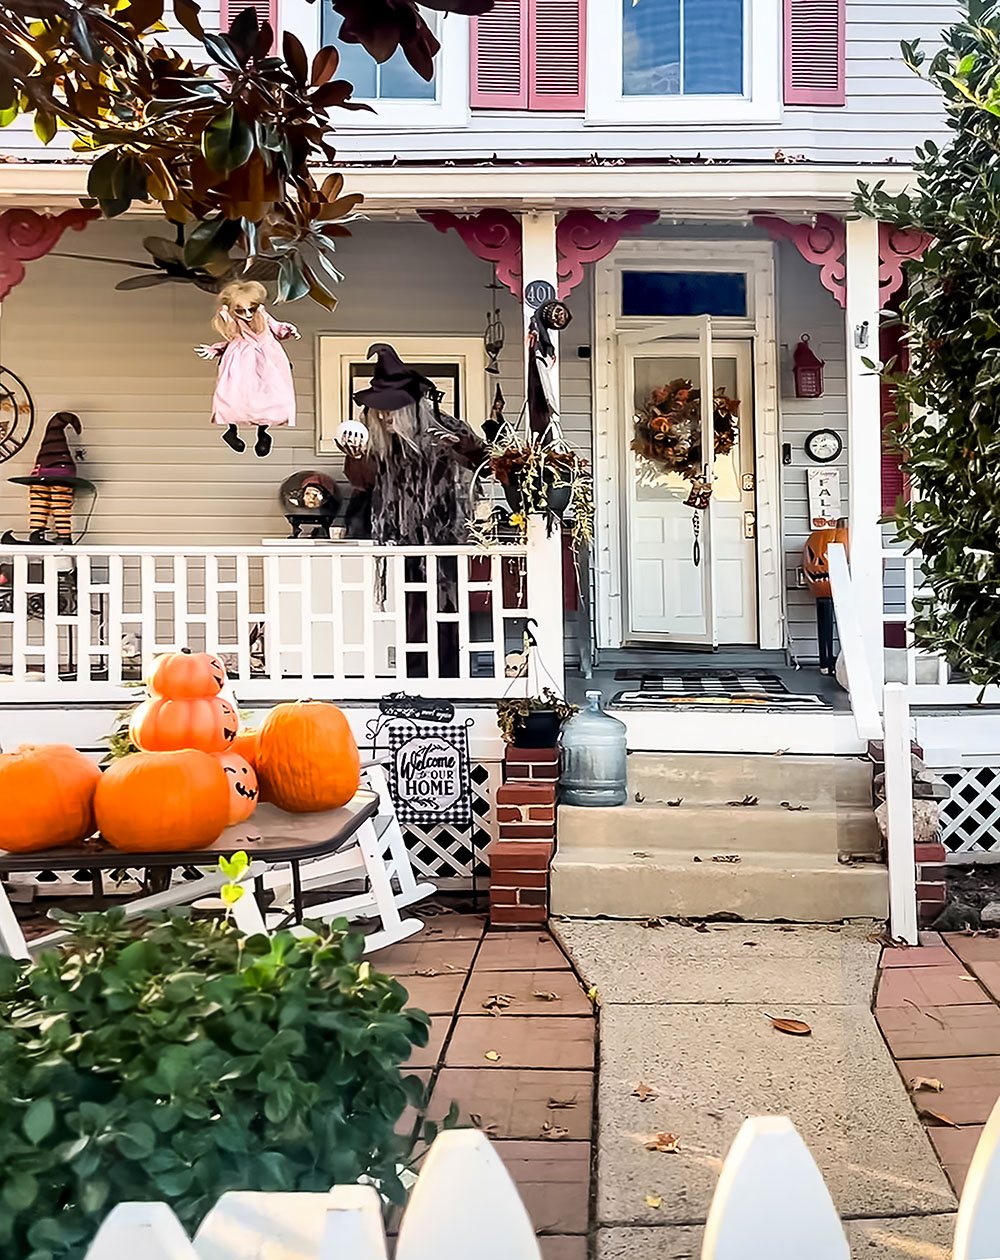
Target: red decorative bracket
(26,235)
(583,237)
(493,235)
(825,244)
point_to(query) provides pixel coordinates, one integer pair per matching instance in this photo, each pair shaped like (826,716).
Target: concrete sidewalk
(684,1010)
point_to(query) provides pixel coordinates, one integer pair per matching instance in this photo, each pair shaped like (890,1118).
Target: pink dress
(255,378)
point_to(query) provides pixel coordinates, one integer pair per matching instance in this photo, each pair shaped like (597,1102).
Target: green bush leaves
(177,1059)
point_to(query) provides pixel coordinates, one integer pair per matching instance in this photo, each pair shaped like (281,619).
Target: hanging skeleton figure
(419,459)
(254,386)
(52,484)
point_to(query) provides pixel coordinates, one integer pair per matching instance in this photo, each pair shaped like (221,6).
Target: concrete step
(712,778)
(763,887)
(712,829)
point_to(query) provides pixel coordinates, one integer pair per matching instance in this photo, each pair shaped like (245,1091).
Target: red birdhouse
(808,371)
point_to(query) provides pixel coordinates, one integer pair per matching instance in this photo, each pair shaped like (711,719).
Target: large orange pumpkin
(208,724)
(186,675)
(815,561)
(307,758)
(46,797)
(243,790)
(163,801)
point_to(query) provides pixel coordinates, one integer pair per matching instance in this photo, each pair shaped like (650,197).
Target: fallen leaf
(654,922)
(927,1014)
(492,1055)
(716,1115)
(752,944)
(924,1082)
(936,1116)
(697,859)
(592,995)
(794,1027)
(553,1132)
(674,804)
(747,800)
(560,1104)
(727,857)
(779,752)
(544,995)
(433,931)
(644,1092)
(665,1143)
(497,1003)
(654,1200)
(785,927)
(795,809)
(639,798)
(701,927)
(428,971)
(639,853)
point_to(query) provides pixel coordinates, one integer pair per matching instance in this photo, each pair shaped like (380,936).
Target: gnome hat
(54,458)
(394,385)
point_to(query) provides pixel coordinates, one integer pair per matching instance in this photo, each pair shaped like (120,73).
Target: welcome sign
(430,774)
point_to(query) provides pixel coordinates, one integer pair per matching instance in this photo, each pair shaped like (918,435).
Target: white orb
(352,438)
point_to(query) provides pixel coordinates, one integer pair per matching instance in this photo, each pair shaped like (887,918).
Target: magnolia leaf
(324,66)
(227,142)
(936,1117)
(295,55)
(186,12)
(545,995)
(794,1027)
(925,1082)
(45,126)
(219,50)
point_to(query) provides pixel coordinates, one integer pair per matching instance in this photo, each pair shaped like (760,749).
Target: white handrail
(864,704)
(899,815)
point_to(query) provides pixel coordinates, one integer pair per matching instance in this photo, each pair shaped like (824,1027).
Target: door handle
(749,524)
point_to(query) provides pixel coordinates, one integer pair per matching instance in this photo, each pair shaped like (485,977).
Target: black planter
(556,501)
(537,730)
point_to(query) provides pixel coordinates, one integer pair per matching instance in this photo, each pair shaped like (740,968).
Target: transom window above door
(682,47)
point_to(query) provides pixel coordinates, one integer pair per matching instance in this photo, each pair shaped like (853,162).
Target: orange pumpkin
(245,744)
(307,758)
(208,724)
(47,796)
(243,790)
(186,675)
(163,801)
(815,562)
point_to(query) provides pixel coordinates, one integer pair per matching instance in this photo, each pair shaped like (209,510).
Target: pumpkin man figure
(254,386)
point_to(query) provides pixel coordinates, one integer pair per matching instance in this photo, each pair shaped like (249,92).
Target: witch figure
(52,483)
(419,460)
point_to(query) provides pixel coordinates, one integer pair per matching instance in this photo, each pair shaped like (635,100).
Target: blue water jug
(593,770)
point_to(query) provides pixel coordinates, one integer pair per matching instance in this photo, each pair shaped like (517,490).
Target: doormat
(735,688)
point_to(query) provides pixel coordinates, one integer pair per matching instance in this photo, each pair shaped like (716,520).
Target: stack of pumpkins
(195,774)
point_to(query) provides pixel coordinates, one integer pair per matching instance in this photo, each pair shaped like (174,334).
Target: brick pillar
(526,829)
(932,891)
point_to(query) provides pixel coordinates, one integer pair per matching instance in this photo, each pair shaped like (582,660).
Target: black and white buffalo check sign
(429,774)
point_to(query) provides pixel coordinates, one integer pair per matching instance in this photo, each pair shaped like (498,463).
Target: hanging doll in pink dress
(255,378)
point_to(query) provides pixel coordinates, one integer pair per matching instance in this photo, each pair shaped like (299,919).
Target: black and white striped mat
(670,688)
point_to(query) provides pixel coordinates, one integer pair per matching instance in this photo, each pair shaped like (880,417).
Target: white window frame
(762,68)
(448,109)
(335,354)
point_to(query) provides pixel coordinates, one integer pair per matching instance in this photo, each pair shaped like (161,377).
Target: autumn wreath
(668,427)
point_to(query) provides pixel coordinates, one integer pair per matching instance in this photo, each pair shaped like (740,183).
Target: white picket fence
(332,621)
(771,1203)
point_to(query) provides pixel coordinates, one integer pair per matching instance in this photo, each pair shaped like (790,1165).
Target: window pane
(684,293)
(651,47)
(713,47)
(395,80)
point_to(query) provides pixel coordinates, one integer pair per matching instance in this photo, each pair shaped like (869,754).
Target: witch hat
(394,385)
(54,458)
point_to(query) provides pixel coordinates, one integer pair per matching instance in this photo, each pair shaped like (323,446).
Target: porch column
(538,262)
(864,437)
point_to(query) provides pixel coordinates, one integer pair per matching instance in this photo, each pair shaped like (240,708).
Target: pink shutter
(895,483)
(556,72)
(267,11)
(814,52)
(500,57)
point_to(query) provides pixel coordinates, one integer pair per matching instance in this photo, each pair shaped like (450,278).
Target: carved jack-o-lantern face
(243,789)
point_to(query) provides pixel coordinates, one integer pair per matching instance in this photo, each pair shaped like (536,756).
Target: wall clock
(824,445)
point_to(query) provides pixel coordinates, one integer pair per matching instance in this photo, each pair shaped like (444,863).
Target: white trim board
(756,258)
(823,732)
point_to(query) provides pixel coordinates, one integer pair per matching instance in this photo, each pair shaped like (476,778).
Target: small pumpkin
(163,801)
(186,675)
(307,758)
(47,795)
(243,790)
(208,724)
(815,559)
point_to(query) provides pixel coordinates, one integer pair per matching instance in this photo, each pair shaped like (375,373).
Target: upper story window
(393,80)
(682,47)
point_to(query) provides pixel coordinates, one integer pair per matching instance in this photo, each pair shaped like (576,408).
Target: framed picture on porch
(456,366)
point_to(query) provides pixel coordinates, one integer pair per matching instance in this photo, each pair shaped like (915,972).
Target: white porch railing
(771,1200)
(332,622)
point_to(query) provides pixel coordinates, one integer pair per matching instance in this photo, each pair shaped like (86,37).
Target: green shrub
(175,1059)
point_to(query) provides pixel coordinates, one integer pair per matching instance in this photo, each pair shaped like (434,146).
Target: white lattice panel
(443,852)
(970,817)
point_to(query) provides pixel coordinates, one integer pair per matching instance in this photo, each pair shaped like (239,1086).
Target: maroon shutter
(267,11)
(557,39)
(895,483)
(814,52)
(499,39)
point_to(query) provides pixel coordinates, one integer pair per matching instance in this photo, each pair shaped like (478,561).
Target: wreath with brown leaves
(668,427)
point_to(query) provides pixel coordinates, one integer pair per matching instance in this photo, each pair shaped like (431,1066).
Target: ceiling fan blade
(144,282)
(118,262)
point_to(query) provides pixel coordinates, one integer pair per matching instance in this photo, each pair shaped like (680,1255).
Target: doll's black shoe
(263,444)
(233,439)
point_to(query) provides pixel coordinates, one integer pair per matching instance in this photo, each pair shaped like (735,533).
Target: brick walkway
(939,1011)
(535,1098)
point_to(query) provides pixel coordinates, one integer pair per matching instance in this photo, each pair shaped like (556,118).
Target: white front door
(691,573)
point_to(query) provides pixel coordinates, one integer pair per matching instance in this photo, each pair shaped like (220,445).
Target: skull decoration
(352,438)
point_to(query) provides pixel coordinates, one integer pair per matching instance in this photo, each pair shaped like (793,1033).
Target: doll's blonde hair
(234,293)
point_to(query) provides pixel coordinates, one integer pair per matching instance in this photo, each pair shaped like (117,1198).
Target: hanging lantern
(494,334)
(808,371)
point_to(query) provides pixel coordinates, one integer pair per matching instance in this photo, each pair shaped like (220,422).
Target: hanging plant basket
(543,492)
